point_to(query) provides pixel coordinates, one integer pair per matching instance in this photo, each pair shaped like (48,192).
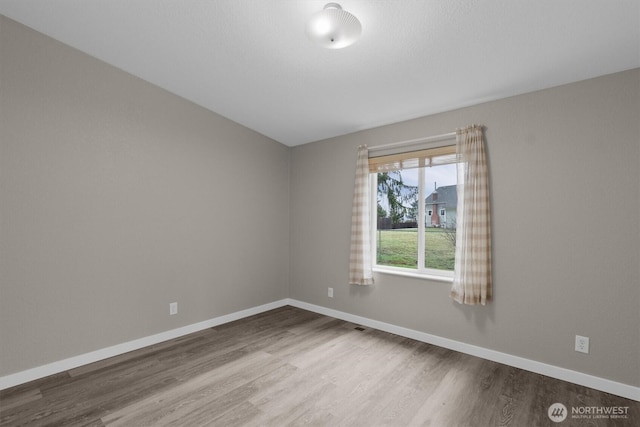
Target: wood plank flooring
(293,367)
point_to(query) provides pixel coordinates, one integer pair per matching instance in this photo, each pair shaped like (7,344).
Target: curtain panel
(360,262)
(472,273)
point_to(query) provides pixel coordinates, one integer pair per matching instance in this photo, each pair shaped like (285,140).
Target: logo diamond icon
(557,412)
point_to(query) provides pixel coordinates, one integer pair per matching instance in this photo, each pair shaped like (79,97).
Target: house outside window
(415,196)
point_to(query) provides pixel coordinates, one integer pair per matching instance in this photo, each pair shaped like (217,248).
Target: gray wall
(561,160)
(117,198)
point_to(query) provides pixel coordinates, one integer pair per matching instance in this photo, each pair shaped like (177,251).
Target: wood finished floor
(292,367)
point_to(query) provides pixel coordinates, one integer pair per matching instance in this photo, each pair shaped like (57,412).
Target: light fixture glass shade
(333,27)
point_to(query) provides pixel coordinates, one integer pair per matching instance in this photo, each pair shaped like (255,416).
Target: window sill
(416,275)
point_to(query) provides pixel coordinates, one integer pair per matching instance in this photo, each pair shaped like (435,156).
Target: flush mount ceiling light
(333,27)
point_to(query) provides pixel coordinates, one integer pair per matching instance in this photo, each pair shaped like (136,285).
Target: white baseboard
(105,353)
(608,386)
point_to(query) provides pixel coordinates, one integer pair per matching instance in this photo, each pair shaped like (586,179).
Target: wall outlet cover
(582,344)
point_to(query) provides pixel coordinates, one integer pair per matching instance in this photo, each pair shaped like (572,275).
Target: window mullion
(373,181)
(421,220)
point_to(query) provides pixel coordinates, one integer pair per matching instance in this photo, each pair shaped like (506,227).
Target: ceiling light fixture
(333,27)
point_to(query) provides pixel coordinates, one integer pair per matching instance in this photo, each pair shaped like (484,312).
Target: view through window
(416,200)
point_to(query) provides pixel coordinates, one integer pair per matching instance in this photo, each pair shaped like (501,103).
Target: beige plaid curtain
(472,272)
(360,268)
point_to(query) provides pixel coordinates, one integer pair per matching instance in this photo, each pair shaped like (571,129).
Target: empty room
(278,212)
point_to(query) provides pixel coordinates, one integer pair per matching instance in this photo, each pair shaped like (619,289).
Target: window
(472,256)
(414,192)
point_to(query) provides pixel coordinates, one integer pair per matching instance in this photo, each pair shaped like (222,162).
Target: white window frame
(421,271)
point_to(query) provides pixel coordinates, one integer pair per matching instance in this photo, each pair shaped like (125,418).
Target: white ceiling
(250,61)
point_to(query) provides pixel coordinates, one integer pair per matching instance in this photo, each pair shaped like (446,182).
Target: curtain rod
(434,138)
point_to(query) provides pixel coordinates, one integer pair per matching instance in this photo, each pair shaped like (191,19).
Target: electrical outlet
(582,344)
(173,308)
(330,293)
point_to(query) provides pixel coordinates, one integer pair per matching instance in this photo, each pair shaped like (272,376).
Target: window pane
(397,234)
(440,221)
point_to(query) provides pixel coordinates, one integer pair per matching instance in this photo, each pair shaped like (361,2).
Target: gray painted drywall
(560,160)
(117,198)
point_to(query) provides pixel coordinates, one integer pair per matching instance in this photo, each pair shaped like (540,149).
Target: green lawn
(399,248)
